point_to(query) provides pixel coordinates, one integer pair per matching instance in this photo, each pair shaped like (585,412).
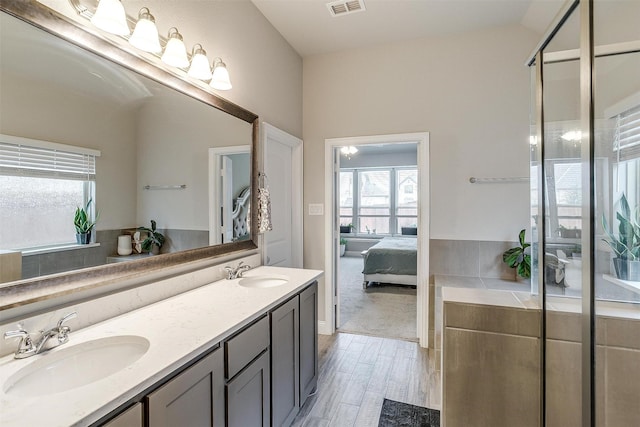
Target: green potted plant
(154,240)
(343,246)
(626,245)
(83,224)
(518,258)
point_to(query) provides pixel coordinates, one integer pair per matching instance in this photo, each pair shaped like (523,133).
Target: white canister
(124,245)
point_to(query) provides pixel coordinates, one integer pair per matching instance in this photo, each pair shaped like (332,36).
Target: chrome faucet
(27,347)
(236,273)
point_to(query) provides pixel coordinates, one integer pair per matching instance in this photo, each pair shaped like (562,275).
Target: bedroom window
(42,184)
(379,200)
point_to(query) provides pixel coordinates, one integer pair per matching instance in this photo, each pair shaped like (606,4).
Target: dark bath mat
(398,414)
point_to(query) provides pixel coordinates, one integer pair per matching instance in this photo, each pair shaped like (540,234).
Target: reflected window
(42,185)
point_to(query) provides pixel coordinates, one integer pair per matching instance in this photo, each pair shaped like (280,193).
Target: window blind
(29,157)
(627,137)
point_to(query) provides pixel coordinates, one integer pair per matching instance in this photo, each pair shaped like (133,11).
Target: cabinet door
(308,341)
(132,417)
(248,395)
(193,398)
(285,349)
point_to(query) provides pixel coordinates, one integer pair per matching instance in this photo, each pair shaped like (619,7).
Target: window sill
(57,248)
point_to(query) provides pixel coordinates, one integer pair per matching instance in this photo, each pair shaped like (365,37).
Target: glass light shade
(111,17)
(220,79)
(199,64)
(145,35)
(175,53)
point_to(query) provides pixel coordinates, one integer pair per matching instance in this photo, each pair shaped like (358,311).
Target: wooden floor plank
(357,372)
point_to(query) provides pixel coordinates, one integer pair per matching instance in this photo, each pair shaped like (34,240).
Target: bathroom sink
(76,365)
(265,281)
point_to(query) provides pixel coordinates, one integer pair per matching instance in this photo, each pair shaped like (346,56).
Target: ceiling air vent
(340,8)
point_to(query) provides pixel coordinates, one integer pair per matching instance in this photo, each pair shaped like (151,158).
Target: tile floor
(357,372)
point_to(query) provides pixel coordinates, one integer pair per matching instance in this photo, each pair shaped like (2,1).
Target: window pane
(346,190)
(568,198)
(38,211)
(375,192)
(374,225)
(407,192)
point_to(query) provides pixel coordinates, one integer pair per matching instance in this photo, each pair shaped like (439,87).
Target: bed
(391,260)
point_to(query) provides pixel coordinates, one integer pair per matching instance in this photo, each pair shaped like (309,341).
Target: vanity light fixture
(175,53)
(220,79)
(145,35)
(200,68)
(111,17)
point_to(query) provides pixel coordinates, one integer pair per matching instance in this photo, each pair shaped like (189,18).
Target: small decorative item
(518,259)
(626,246)
(154,240)
(124,245)
(83,224)
(264,204)
(136,244)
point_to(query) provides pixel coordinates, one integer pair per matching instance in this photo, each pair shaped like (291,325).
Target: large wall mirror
(159,143)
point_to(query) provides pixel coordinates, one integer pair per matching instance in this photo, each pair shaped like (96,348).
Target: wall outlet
(316,209)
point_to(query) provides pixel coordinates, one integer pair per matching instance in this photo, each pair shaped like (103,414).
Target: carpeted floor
(380,310)
(397,414)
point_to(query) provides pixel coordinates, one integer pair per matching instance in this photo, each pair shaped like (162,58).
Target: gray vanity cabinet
(193,398)
(285,353)
(308,341)
(247,389)
(131,417)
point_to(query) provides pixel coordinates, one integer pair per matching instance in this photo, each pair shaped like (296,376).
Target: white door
(227,199)
(283,166)
(336,235)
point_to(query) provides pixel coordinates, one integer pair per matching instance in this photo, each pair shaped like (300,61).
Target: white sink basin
(75,365)
(266,281)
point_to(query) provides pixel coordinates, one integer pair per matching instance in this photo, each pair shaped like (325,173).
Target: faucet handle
(66,318)
(63,331)
(20,333)
(26,347)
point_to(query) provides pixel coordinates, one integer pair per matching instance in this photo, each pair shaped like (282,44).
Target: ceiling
(311,29)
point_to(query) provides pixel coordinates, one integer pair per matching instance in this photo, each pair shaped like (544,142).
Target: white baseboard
(324,328)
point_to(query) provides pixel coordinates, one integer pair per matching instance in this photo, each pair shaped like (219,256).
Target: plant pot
(155,250)
(83,238)
(345,229)
(627,270)
(342,249)
(409,231)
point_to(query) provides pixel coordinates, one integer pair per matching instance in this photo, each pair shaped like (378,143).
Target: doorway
(377,308)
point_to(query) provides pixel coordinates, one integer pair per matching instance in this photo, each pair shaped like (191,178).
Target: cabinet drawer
(246,346)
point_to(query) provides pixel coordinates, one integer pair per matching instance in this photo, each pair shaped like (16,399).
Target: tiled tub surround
(491,360)
(178,328)
(469,258)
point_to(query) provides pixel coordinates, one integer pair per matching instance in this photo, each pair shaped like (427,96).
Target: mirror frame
(28,291)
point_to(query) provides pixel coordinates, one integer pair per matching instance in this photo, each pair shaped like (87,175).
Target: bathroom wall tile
(564,385)
(180,240)
(454,257)
(451,281)
(507,285)
(490,260)
(622,332)
(30,266)
(564,326)
(495,319)
(490,379)
(622,387)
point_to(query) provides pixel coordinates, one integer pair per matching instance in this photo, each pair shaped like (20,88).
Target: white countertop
(178,329)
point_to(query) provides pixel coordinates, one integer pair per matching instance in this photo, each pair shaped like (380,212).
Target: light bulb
(145,35)
(175,53)
(220,79)
(111,17)
(199,64)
